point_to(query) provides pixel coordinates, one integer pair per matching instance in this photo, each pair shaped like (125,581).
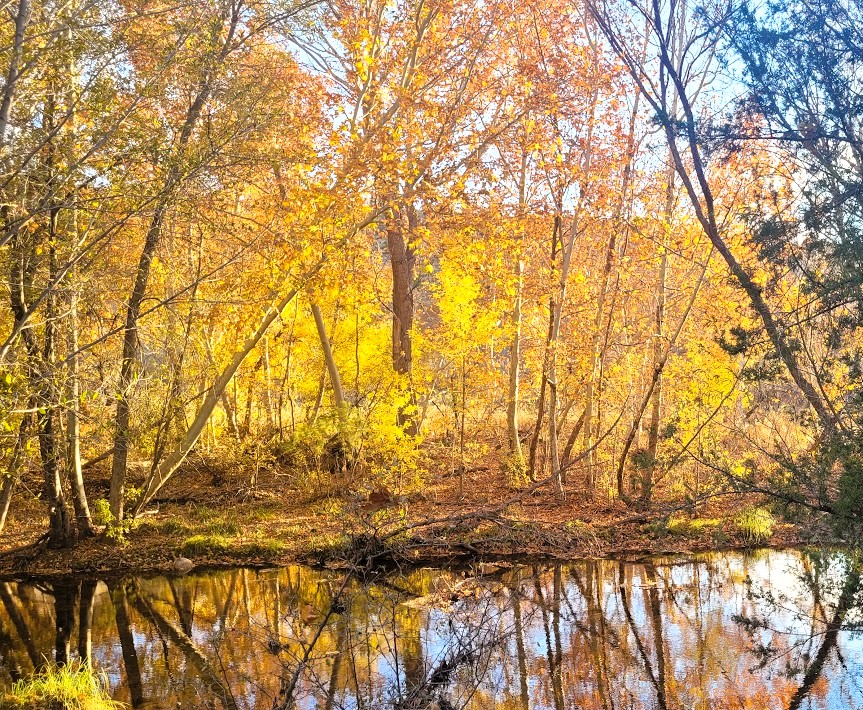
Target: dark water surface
(769,629)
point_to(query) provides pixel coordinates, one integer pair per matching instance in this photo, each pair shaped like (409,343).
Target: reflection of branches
(190,650)
(20,625)
(846,601)
(472,641)
(391,634)
(557,636)
(127,644)
(648,666)
(596,633)
(658,638)
(554,659)
(287,688)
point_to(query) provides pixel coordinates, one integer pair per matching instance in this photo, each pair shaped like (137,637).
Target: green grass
(205,544)
(756,525)
(209,531)
(216,544)
(222,527)
(171,526)
(266,510)
(690,528)
(74,686)
(216,522)
(262,548)
(205,521)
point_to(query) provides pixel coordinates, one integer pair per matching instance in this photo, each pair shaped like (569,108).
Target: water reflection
(767,630)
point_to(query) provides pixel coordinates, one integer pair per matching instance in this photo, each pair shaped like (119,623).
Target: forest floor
(220,517)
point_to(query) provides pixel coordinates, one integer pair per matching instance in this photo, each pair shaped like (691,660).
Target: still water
(768,629)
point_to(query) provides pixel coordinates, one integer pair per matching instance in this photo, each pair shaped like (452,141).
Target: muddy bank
(275,524)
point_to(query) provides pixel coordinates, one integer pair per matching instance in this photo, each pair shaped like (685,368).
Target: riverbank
(216,518)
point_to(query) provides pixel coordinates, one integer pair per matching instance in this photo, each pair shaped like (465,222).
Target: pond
(765,629)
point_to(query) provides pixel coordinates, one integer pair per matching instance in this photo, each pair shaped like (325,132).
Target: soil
(221,517)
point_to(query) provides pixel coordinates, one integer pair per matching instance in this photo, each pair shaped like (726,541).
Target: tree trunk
(540,409)
(142,275)
(573,437)
(21,18)
(286,377)
(127,364)
(593,365)
(335,380)
(60,528)
(319,398)
(515,350)
(10,480)
(61,532)
(268,391)
(596,350)
(656,397)
(649,474)
(231,416)
(554,341)
(73,426)
(402,261)
(657,372)
(514,364)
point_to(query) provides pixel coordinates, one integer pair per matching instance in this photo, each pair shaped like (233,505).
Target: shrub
(102,516)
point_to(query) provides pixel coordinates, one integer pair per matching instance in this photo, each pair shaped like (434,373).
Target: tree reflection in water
(773,629)
(825,601)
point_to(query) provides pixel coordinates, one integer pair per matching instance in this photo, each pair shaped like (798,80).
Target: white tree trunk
(335,380)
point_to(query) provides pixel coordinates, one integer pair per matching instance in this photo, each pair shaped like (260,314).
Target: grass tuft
(756,524)
(74,686)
